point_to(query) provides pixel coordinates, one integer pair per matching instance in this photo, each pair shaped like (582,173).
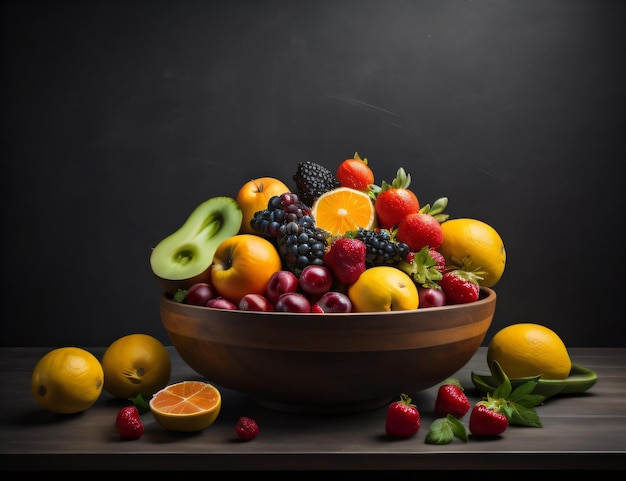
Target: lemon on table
(136,364)
(186,406)
(67,380)
(527,350)
(477,243)
(343,209)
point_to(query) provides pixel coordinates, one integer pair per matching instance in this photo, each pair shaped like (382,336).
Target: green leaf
(444,430)
(140,403)
(518,404)
(180,295)
(522,416)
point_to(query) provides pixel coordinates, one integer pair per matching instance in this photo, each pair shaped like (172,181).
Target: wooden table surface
(582,431)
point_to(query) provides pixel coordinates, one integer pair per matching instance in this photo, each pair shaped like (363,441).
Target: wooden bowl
(327,363)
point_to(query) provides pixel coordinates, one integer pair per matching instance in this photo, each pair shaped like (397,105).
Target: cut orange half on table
(344,209)
(186,406)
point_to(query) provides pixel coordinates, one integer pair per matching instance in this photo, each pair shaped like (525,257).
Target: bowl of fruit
(331,308)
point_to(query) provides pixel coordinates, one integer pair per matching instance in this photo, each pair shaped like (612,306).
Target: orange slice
(343,209)
(186,406)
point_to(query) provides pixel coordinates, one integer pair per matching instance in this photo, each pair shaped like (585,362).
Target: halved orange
(343,209)
(186,406)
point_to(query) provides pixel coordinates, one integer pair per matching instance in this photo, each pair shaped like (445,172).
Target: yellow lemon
(344,209)
(136,364)
(476,243)
(186,406)
(528,349)
(67,380)
(381,289)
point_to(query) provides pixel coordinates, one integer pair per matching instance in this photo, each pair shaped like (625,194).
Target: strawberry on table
(487,418)
(128,424)
(451,399)
(402,419)
(246,428)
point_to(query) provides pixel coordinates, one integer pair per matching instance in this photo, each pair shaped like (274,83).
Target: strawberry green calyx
(465,269)
(422,268)
(437,209)
(358,157)
(401,181)
(497,405)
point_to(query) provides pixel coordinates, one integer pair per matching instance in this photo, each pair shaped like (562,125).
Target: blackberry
(313,180)
(289,221)
(301,245)
(382,248)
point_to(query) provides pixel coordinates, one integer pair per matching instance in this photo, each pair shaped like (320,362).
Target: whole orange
(136,364)
(67,380)
(243,264)
(254,195)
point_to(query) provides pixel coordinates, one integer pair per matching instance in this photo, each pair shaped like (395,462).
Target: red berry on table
(246,428)
(451,399)
(402,419)
(459,287)
(128,424)
(346,259)
(485,421)
(419,230)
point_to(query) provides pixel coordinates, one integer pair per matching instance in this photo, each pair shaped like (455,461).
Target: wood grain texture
(584,431)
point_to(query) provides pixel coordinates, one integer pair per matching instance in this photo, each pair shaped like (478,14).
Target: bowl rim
(409,329)
(487,295)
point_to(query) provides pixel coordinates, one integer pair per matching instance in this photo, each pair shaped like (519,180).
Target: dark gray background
(118,118)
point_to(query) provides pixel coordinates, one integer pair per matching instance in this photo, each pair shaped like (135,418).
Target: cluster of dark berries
(382,248)
(312,180)
(299,241)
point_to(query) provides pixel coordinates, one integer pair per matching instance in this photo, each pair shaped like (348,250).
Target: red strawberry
(460,287)
(246,428)
(419,230)
(128,424)
(486,420)
(451,399)
(355,173)
(346,259)
(438,258)
(402,419)
(394,201)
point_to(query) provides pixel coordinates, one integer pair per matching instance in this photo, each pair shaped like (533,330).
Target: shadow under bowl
(327,363)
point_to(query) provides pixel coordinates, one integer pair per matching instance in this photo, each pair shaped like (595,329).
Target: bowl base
(346,408)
